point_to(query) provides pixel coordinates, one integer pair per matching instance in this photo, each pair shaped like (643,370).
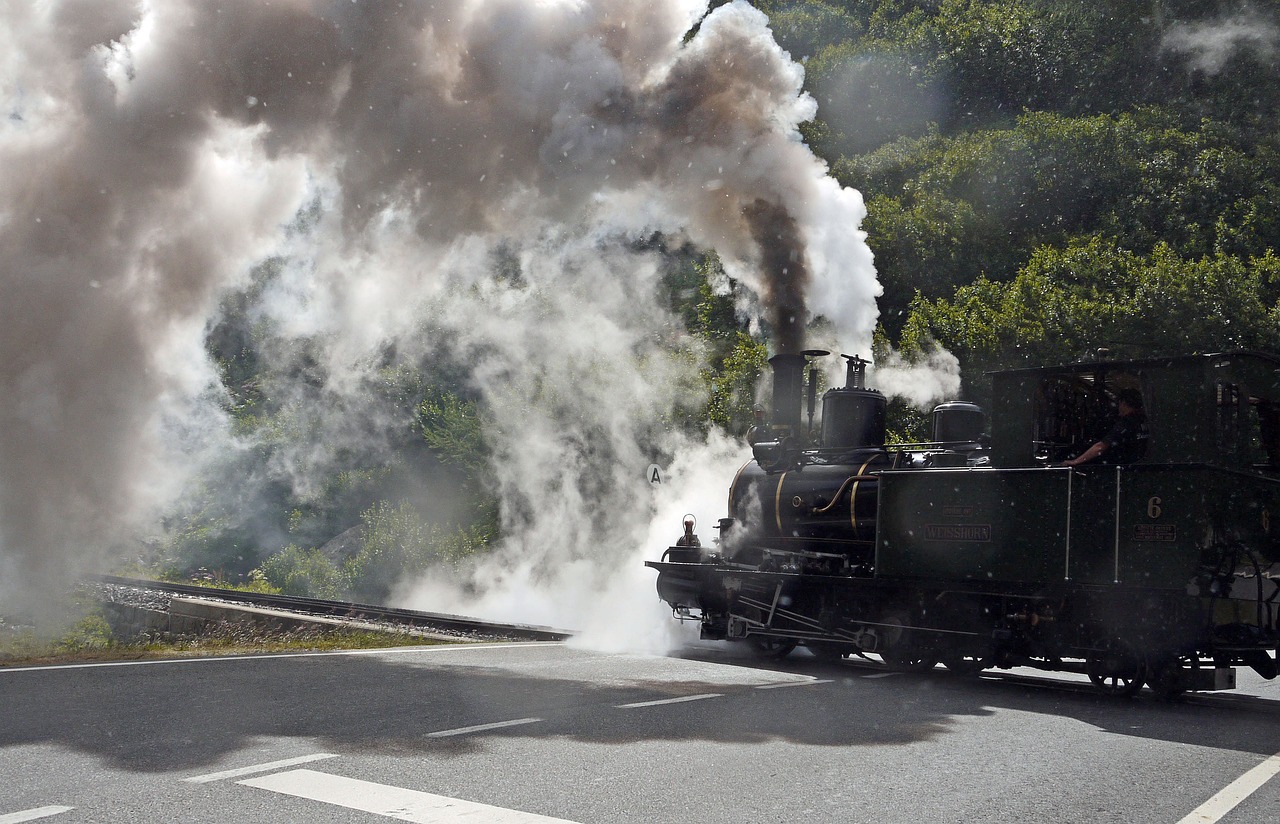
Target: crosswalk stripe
(392,802)
(32,815)
(1230,796)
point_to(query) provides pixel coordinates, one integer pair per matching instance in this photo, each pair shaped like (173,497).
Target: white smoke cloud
(1210,44)
(155,153)
(924,381)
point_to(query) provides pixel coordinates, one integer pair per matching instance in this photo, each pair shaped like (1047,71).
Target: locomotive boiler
(979,550)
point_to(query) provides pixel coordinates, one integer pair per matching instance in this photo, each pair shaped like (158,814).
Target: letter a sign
(654,474)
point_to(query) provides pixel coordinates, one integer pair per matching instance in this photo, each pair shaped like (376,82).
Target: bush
(302,572)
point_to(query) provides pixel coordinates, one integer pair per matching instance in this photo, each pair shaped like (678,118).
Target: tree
(1094,294)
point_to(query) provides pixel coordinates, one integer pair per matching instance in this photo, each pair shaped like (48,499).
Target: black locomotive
(980,550)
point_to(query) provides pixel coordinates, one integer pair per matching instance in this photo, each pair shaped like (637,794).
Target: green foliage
(302,572)
(978,203)
(806,28)
(1093,294)
(734,359)
(92,632)
(733,385)
(397,544)
(454,430)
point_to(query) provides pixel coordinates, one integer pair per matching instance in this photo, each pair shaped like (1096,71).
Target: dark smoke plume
(783,270)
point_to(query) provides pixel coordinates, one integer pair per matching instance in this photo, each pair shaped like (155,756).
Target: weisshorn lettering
(957,532)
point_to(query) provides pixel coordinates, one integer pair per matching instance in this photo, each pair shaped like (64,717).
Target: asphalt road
(524,733)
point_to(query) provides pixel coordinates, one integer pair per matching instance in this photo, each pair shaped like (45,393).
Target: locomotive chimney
(788,389)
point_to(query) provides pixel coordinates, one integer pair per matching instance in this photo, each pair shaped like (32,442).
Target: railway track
(346,609)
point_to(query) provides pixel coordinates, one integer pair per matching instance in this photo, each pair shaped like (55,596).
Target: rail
(347,609)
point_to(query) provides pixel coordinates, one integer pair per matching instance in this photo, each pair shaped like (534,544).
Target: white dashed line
(1235,792)
(679,700)
(786,684)
(259,768)
(482,727)
(32,815)
(881,675)
(392,802)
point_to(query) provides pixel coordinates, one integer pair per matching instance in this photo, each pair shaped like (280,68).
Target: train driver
(1126,441)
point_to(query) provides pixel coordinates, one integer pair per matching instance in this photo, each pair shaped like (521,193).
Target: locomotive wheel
(965,664)
(829,653)
(908,660)
(769,646)
(1118,670)
(901,653)
(1167,678)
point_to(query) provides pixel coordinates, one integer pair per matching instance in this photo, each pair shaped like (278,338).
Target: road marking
(392,802)
(482,727)
(218,658)
(882,675)
(786,684)
(259,768)
(32,815)
(679,700)
(1235,792)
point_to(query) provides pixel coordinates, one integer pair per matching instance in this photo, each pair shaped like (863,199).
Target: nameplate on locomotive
(1162,533)
(957,532)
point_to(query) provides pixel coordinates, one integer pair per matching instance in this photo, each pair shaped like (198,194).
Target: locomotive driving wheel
(828,652)
(901,652)
(962,664)
(1169,676)
(769,646)
(1117,669)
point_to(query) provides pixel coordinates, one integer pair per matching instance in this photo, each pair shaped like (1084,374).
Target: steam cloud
(153,153)
(1211,44)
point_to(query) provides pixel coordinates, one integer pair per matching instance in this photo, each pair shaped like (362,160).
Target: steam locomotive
(978,550)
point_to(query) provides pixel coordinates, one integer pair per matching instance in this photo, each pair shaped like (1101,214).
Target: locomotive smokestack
(788,389)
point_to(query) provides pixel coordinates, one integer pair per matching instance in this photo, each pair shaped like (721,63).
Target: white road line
(259,768)
(679,700)
(482,727)
(786,684)
(1235,792)
(392,802)
(220,658)
(32,815)
(882,675)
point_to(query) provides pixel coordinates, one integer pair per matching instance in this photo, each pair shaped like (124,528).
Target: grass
(90,640)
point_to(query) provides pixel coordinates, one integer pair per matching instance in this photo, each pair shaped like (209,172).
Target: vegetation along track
(344,609)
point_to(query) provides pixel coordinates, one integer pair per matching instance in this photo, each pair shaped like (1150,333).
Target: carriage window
(1248,428)
(1267,414)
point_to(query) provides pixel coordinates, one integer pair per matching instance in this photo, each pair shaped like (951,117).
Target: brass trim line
(853,496)
(1117,573)
(843,486)
(734,486)
(777,502)
(1066,572)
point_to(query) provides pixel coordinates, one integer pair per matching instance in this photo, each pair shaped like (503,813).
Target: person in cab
(1126,441)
